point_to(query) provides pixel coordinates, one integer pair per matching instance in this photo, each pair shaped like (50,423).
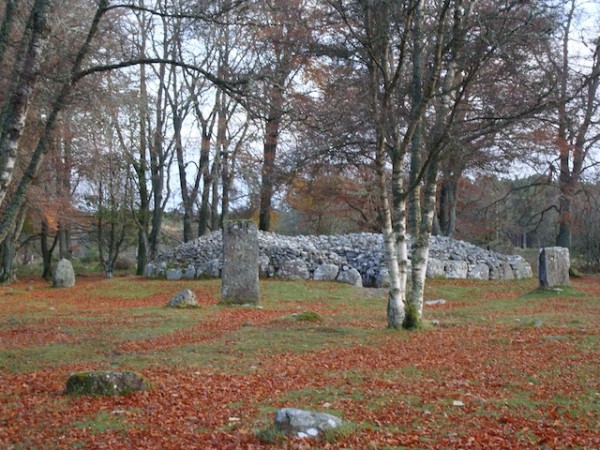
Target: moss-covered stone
(106,383)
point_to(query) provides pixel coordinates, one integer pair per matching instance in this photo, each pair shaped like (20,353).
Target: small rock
(183,299)
(457,403)
(293,422)
(441,301)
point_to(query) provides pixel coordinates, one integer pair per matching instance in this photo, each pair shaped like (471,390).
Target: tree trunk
(15,116)
(6,28)
(397,254)
(269,154)
(8,250)
(18,198)
(414,198)
(564,237)
(448,203)
(47,250)
(64,242)
(266,188)
(204,215)
(420,255)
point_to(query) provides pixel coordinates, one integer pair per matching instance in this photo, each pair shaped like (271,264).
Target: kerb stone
(553,267)
(239,277)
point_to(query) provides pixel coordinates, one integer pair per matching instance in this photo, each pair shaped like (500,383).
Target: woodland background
(135,125)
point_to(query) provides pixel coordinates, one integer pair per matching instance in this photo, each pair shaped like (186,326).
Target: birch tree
(418,90)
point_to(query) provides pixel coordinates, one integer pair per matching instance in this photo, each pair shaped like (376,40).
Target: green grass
(498,320)
(37,358)
(103,421)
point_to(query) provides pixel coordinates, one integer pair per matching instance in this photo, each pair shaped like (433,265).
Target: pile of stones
(357,259)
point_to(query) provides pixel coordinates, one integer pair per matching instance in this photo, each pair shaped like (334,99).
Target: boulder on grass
(64,275)
(294,269)
(350,276)
(301,423)
(106,383)
(183,299)
(326,272)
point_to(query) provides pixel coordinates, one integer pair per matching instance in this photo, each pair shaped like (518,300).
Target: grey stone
(479,271)
(456,269)
(265,269)
(64,275)
(150,270)
(326,272)
(383,279)
(440,301)
(494,273)
(350,276)
(436,268)
(212,268)
(521,269)
(553,267)
(361,251)
(301,423)
(239,279)
(105,383)
(190,272)
(294,269)
(173,274)
(183,299)
(506,272)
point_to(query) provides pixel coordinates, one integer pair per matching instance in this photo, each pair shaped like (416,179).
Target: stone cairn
(239,277)
(357,259)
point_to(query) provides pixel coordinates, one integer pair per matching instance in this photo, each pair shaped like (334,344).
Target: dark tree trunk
(204,215)
(266,190)
(47,250)
(448,203)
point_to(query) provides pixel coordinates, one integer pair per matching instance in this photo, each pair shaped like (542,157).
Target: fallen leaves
(467,386)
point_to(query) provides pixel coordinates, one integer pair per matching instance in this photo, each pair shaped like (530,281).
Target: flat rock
(106,383)
(303,423)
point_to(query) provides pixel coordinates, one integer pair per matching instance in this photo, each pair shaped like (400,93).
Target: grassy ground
(508,366)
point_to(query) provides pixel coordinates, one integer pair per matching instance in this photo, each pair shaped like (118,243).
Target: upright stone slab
(553,267)
(64,275)
(239,278)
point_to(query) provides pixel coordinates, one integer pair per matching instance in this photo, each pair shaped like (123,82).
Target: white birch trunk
(420,255)
(16,113)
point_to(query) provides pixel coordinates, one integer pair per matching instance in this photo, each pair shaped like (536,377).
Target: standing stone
(239,278)
(553,267)
(64,275)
